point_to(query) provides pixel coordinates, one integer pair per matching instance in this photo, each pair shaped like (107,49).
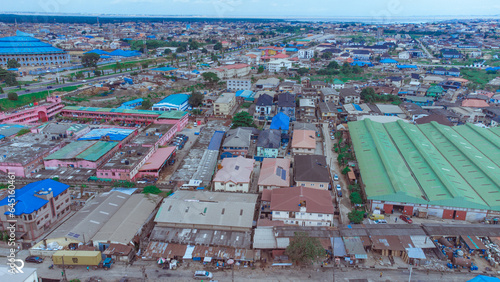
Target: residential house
(439,71)
(469,114)
(268,144)
(287,105)
(395,80)
(318,84)
(303,142)
(327,110)
(405,55)
(362,55)
(311,171)
(279,65)
(301,206)
(307,110)
(263,107)
(234,175)
(38,206)
(224,105)
(281,122)
(274,174)
(286,86)
(453,72)
(349,95)
(330,95)
(306,53)
(338,84)
(435,91)
(236,143)
(451,53)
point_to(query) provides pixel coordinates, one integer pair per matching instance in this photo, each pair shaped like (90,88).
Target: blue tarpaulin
(114,134)
(281,122)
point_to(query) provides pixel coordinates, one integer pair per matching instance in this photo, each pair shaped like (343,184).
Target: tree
(243,119)
(195,99)
(145,65)
(194,45)
(346,68)
(167,51)
(151,189)
(326,55)
(302,71)
(204,50)
(13,64)
(97,73)
(333,65)
(355,198)
(260,69)
(218,46)
(346,170)
(89,60)
(146,104)
(1,90)
(304,249)
(253,39)
(368,95)
(79,75)
(12,96)
(357,69)
(356,216)
(211,78)
(8,76)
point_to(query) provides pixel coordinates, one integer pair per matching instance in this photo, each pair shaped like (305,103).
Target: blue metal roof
(216,140)
(280,121)
(97,51)
(174,99)
(27,202)
(164,69)
(407,67)
(25,45)
(388,61)
(114,134)
(140,100)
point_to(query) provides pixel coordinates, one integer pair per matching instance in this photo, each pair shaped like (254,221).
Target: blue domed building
(29,51)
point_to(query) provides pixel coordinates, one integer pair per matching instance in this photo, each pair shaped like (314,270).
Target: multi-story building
(41,112)
(29,51)
(236,143)
(287,105)
(224,105)
(306,53)
(239,84)
(349,95)
(268,144)
(311,171)
(300,206)
(274,173)
(263,107)
(279,65)
(304,142)
(174,102)
(235,175)
(330,95)
(231,71)
(38,207)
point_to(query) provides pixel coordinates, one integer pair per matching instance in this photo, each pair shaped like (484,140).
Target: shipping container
(87,258)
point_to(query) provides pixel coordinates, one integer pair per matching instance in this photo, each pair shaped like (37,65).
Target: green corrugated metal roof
(97,151)
(429,164)
(173,114)
(71,150)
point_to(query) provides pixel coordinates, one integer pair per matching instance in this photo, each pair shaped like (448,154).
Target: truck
(84,258)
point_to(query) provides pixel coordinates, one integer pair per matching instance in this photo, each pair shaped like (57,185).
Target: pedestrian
(380,274)
(395,219)
(88,269)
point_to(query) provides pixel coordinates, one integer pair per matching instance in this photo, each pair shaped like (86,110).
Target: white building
(231,71)
(279,65)
(404,55)
(235,175)
(306,54)
(239,84)
(300,206)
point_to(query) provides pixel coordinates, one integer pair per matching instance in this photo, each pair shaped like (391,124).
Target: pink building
(41,112)
(38,207)
(179,118)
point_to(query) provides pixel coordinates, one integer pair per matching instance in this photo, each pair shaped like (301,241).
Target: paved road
(429,55)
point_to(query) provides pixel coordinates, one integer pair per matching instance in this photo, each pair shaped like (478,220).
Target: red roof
(291,199)
(235,66)
(280,56)
(474,103)
(156,161)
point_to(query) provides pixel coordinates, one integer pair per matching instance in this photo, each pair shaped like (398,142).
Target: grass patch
(480,77)
(246,105)
(26,99)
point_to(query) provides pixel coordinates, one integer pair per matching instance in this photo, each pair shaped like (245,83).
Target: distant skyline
(376,10)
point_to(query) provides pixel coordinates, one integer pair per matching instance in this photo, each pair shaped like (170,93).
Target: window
(319,223)
(276,213)
(312,184)
(303,184)
(320,215)
(321,185)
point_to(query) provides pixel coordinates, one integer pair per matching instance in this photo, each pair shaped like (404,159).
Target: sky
(376,9)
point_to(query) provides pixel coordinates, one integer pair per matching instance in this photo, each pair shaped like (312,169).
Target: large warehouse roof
(429,164)
(23,45)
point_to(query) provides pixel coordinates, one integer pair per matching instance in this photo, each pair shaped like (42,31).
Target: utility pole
(409,278)
(64,270)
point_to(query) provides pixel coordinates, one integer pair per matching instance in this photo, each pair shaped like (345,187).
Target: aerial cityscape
(145,140)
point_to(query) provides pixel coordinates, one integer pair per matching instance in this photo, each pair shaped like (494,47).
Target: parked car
(49,87)
(339,193)
(202,274)
(34,259)
(333,137)
(336,177)
(380,221)
(405,218)
(338,187)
